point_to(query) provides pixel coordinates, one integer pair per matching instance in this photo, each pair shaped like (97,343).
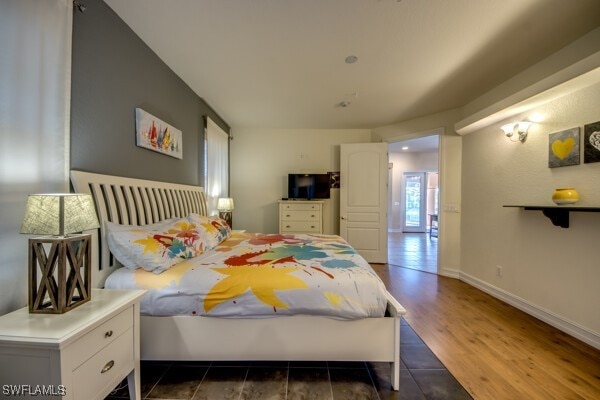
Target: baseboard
(450,273)
(573,329)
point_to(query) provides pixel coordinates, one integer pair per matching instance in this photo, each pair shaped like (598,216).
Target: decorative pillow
(155,247)
(214,229)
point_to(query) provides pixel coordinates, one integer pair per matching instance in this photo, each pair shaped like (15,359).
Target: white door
(414,202)
(363,198)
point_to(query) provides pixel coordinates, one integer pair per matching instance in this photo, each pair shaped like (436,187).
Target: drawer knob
(312,226)
(108,366)
(312,216)
(108,334)
(287,226)
(288,215)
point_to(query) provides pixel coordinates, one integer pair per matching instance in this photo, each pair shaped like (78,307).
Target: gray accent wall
(113,72)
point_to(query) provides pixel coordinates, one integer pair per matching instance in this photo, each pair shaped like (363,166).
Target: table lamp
(225,207)
(60,279)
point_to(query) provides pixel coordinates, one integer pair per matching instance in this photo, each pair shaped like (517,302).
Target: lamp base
(60,279)
(227,216)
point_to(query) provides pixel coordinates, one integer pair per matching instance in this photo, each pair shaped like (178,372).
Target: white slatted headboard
(132,202)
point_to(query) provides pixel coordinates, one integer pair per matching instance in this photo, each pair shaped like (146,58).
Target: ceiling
(281,63)
(426,144)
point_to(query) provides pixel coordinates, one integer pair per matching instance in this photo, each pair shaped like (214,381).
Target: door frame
(440,133)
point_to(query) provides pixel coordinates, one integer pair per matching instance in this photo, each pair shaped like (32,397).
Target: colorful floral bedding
(263,275)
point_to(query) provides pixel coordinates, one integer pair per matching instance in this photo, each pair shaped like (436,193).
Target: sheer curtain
(217,165)
(35,86)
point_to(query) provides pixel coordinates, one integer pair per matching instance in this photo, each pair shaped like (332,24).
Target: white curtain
(35,87)
(217,165)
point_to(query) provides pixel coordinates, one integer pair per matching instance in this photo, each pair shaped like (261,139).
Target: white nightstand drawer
(299,226)
(101,336)
(104,370)
(301,207)
(300,216)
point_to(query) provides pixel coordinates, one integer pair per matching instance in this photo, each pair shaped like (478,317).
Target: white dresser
(298,216)
(82,354)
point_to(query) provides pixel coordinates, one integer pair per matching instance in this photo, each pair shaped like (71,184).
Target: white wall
(35,38)
(261,159)
(406,162)
(550,269)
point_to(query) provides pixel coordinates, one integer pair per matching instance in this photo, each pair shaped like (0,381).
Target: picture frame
(591,143)
(564,148)
(154,134)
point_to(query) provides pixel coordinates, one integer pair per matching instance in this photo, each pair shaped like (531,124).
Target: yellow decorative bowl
(565,196)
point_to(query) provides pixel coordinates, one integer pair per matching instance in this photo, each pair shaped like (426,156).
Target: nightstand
(82,354)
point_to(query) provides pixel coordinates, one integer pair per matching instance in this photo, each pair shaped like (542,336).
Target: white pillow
(213,229)
(155,247)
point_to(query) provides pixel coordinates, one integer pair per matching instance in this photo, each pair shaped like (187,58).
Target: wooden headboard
(132,202)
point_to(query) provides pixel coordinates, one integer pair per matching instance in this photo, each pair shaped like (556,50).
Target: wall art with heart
(564,148)
(591,146)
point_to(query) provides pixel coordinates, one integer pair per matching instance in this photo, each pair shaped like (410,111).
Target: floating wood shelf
(559,215)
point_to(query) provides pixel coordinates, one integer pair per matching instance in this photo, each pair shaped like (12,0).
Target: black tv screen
(308,186)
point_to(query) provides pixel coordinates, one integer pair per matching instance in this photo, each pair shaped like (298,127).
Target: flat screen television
(308,186)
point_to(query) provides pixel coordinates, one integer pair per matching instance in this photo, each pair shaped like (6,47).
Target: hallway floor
(413,250)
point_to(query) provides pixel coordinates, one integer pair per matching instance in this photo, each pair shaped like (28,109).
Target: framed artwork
(563,148)
(334,180)
(591,143)
(153,134)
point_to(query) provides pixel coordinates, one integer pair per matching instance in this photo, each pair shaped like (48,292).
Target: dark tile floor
(422,377)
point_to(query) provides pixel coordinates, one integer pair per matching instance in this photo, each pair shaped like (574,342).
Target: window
(216,165)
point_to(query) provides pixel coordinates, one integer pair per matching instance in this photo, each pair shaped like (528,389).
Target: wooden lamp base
(227,216)
(59,280)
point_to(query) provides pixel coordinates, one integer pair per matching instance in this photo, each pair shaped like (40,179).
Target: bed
(275,335)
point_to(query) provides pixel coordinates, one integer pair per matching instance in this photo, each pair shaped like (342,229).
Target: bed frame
(299,338)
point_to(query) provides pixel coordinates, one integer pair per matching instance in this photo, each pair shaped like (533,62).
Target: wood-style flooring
(494,350)
(413,250)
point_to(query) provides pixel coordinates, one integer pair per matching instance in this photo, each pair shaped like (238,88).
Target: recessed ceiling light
(404,147)
(351,59)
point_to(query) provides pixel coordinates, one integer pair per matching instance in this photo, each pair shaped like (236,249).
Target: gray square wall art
(563,148)
(591,146)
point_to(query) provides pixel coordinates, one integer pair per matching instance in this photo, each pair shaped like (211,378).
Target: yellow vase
(565,196)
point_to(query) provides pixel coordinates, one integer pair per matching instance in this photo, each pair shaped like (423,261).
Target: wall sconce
(520,128)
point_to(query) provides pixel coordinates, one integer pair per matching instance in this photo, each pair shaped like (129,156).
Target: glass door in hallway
(414,202)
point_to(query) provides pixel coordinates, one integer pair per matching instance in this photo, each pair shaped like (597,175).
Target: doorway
(413,202)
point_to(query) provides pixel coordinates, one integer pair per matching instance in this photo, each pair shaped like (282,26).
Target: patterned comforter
(263,275)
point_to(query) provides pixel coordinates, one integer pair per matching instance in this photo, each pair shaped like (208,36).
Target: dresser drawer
(99,337)
(104,370)
(301,226)
(300,207)
(300,216)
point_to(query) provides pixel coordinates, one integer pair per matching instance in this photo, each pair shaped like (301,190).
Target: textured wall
(551,268)
(113,73)
(261,160)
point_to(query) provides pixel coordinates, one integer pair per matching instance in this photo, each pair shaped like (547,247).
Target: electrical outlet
(498,270)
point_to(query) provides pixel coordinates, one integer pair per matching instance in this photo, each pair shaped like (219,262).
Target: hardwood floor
(493,349)
(413,250)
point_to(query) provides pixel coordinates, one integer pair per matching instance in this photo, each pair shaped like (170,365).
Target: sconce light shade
(59,279)
(225,204)
(520,128)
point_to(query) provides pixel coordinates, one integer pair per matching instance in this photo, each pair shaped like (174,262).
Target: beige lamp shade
(59,214)
(225,204)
